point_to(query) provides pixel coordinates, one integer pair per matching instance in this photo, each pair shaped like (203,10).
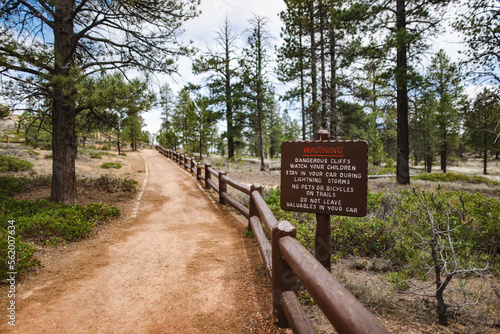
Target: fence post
(192,164)
(181,159)
(198,171)
(252,208)
(222,188)
(322,243)
(283,278)
(207,175)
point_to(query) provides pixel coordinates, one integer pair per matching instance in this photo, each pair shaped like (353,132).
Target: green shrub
(96,155)
(395,225)
(47,223)
(10,163)
(108,165)
(33,152)
(107,154)
(15,184)
(361,236)
(111,184)
(10,185)
(105,147)
(48,156)
(123,154)
(24,256)
(452,177)
(400,279)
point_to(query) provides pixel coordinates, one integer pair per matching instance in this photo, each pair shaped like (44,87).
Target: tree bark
(334,117)
(403,154)
(314,84)
(302,87)
(64,115)
(229,97)
(485,158)
(443,156)
(323,69)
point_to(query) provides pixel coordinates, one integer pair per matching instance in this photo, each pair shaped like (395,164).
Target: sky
(202,31)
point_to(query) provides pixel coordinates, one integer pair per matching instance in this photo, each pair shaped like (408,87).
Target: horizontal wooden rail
(263,244)
(286,260)
(265,213)
(212,171)
(213,185)
(343,310)
(237,205)
(236,185)
(299,322)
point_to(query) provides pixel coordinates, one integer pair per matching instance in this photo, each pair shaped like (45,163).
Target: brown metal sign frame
(328,177)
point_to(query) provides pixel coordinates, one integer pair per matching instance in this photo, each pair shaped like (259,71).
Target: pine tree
(222,67)
(293,62)
(255,67)
(480,26)
(482,125)
(405,24)
(143,35)
(444,79)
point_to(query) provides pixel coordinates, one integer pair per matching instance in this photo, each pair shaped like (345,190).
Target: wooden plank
(213,185)
(263,244)
(236,185)
(343,310)
(265,213)
(297,318)
(235,204)
(213,171)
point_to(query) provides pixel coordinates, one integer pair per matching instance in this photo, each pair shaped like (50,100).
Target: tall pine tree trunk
(229,104)
(485,158)
(63,114)
(314,83)
(302,88)
(403,154)
(323,69)
(334,116)
(443,156)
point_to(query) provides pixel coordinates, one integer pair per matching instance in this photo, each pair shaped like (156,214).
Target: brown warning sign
(327,177)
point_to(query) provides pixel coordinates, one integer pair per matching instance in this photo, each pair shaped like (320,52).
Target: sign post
(323,237)
(325,177)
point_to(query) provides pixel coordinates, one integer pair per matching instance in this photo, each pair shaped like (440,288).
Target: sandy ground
(169,270)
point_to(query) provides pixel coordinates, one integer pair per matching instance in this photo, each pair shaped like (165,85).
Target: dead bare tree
(442,220)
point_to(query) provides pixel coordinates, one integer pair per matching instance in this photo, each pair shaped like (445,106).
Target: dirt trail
(182,265)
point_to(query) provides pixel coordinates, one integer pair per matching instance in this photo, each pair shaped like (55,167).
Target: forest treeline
(359,68)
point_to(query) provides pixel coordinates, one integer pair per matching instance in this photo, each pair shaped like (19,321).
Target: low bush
(108,165)
(96,155)
(9,163)
(453,177)
(10,185)
(14,184)
(395,224)
(111,184)
(43,222)
(24,256)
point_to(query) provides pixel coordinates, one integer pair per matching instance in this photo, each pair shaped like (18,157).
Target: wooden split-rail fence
(286,260)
